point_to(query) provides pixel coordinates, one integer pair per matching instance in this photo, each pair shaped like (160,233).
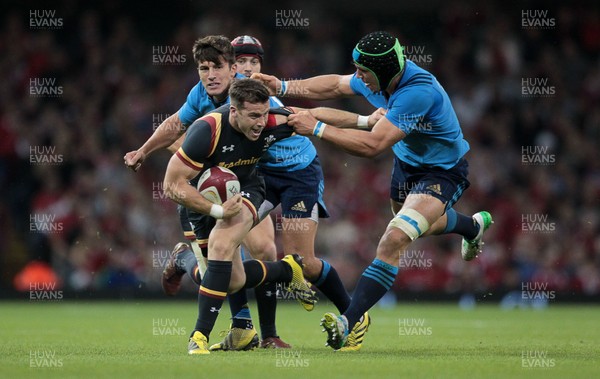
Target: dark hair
(210,48)
(250,90)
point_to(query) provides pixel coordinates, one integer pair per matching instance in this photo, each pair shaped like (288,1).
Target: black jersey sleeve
(200,140)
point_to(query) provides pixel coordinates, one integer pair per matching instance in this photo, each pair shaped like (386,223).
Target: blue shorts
(297,191)
(446,185)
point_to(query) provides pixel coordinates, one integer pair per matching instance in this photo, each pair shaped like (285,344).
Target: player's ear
(233,70)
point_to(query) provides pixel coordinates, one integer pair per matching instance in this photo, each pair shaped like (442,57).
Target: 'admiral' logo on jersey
(228,148)
(239,162)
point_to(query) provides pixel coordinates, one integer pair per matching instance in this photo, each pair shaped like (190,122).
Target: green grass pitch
(64,339)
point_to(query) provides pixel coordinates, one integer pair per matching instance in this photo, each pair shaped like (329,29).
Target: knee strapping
(410,222)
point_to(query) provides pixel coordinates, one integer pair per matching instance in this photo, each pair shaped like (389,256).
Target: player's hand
(232,206)
(270,81)
(303,122)
(134,159)
(375,116)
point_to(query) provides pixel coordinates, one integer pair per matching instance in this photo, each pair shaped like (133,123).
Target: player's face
(250,119)
(368,78)
(248,65)
(216,78)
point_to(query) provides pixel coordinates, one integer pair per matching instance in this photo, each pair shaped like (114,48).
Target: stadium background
(76,96)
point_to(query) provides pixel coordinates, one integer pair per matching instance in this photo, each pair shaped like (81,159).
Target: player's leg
(182,259)
(302,205)
(223,243)
(260,243)
(471,228)
(409,223)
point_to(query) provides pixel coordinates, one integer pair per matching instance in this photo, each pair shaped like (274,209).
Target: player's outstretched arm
(177,188)
(345,119)
(358,142)
(321,87)
(166,134)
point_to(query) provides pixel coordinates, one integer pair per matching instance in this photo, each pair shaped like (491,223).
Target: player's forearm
(337,117)
(180,191)
(322,87)
(176,145)
(353,141)
(165,135)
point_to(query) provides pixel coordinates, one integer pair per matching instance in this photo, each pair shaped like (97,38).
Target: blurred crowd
(76,96)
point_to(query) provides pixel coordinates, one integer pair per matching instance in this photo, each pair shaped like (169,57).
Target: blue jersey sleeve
(409,110)
(359,87)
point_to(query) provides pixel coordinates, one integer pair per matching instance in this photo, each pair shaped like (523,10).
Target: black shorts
(446,185)
(297,191)
(197,226)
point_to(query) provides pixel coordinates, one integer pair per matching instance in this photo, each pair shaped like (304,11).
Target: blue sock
(330,284)
(375,281)
(461,224)
(240,314)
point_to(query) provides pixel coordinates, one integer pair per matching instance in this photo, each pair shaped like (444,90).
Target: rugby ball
(218,184)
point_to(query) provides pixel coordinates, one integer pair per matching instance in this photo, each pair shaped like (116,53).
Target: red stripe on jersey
(188,161)
(214,120)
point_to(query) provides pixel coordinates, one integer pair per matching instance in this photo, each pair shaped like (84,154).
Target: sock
(266,302)
(375,281)
(330,284)
(240,314)
(211,295)
(258,272)
(186,261)
(461,224)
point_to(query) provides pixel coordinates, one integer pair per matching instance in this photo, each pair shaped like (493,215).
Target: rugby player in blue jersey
(429,173)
